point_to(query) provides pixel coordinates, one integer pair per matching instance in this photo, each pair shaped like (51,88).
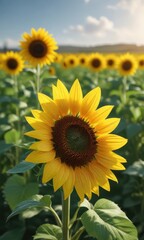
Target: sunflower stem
(124,80)
(65,217)
(59,223)
(38,72)
(16,87)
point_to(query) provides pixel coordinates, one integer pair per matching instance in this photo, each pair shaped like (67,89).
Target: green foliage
(22,167)
(48,231)
(108,221)
(17,189)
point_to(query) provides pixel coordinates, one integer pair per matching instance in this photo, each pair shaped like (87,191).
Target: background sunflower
(39,47)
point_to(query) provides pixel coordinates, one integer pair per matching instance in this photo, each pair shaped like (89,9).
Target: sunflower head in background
(39,47)
(127,64)
(83,59)
(12,63)
(75,142)
(111,61)
(96,62)
(140,60)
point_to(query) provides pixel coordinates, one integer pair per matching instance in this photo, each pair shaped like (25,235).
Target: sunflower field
(56,141)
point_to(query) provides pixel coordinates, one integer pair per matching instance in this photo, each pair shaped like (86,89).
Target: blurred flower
(83,59)
(111,61)
(39,47)
(51,71)
(97,62)
(12,63)
(140,60)
(75,140)
(127,64)
(71,60)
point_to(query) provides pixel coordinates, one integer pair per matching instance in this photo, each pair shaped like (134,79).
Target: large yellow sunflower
(127,64)
(12,63)
(96,62)
(39,47)
(75,141)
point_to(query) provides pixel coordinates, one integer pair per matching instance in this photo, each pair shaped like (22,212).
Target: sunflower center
(74,141)
(110,62)
(71,61)
(141,62)
(38,49)
(12,63)
(127,65)
(96,63)
(82,60)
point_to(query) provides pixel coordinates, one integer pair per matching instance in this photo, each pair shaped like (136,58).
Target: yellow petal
(37,124)
(100,114)
(61,177)
(61,92)
(75,97)
(90,101)
(82,183)
(42,134)
(61,100)
(111,141)
(42,146)
(96,190)
(69,184)
(48,106)
(50,170)
(109,173)
(111,160)
(99,175)
(43,116)
(107,126)
(40,157)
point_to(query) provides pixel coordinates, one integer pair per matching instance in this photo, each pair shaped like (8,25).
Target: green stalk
(38,82)
(124,97)
(16,88)
(65,217)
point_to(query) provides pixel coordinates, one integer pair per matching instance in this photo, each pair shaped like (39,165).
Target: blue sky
(75,22)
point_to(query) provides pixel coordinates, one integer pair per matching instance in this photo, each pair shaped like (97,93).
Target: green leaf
(48,231)
(22,167)
(17,190)
(86,204)
(137,169)
(46,200)
(16,234)
(108,221)
(133,129)
(12,137)
(4,147)
(27,204)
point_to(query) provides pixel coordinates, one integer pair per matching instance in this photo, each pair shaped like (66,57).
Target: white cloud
(9,43)
(97,27)
(131,6)
(87,1)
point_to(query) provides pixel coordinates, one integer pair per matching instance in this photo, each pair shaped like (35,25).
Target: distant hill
(108,48)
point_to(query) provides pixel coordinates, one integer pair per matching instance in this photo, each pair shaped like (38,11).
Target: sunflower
(127,64)
(39,47)
(140,60)
(83,59)
(12,63)
(111,61)
(96,62)
(51,71)
(75,141)
(71,60)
